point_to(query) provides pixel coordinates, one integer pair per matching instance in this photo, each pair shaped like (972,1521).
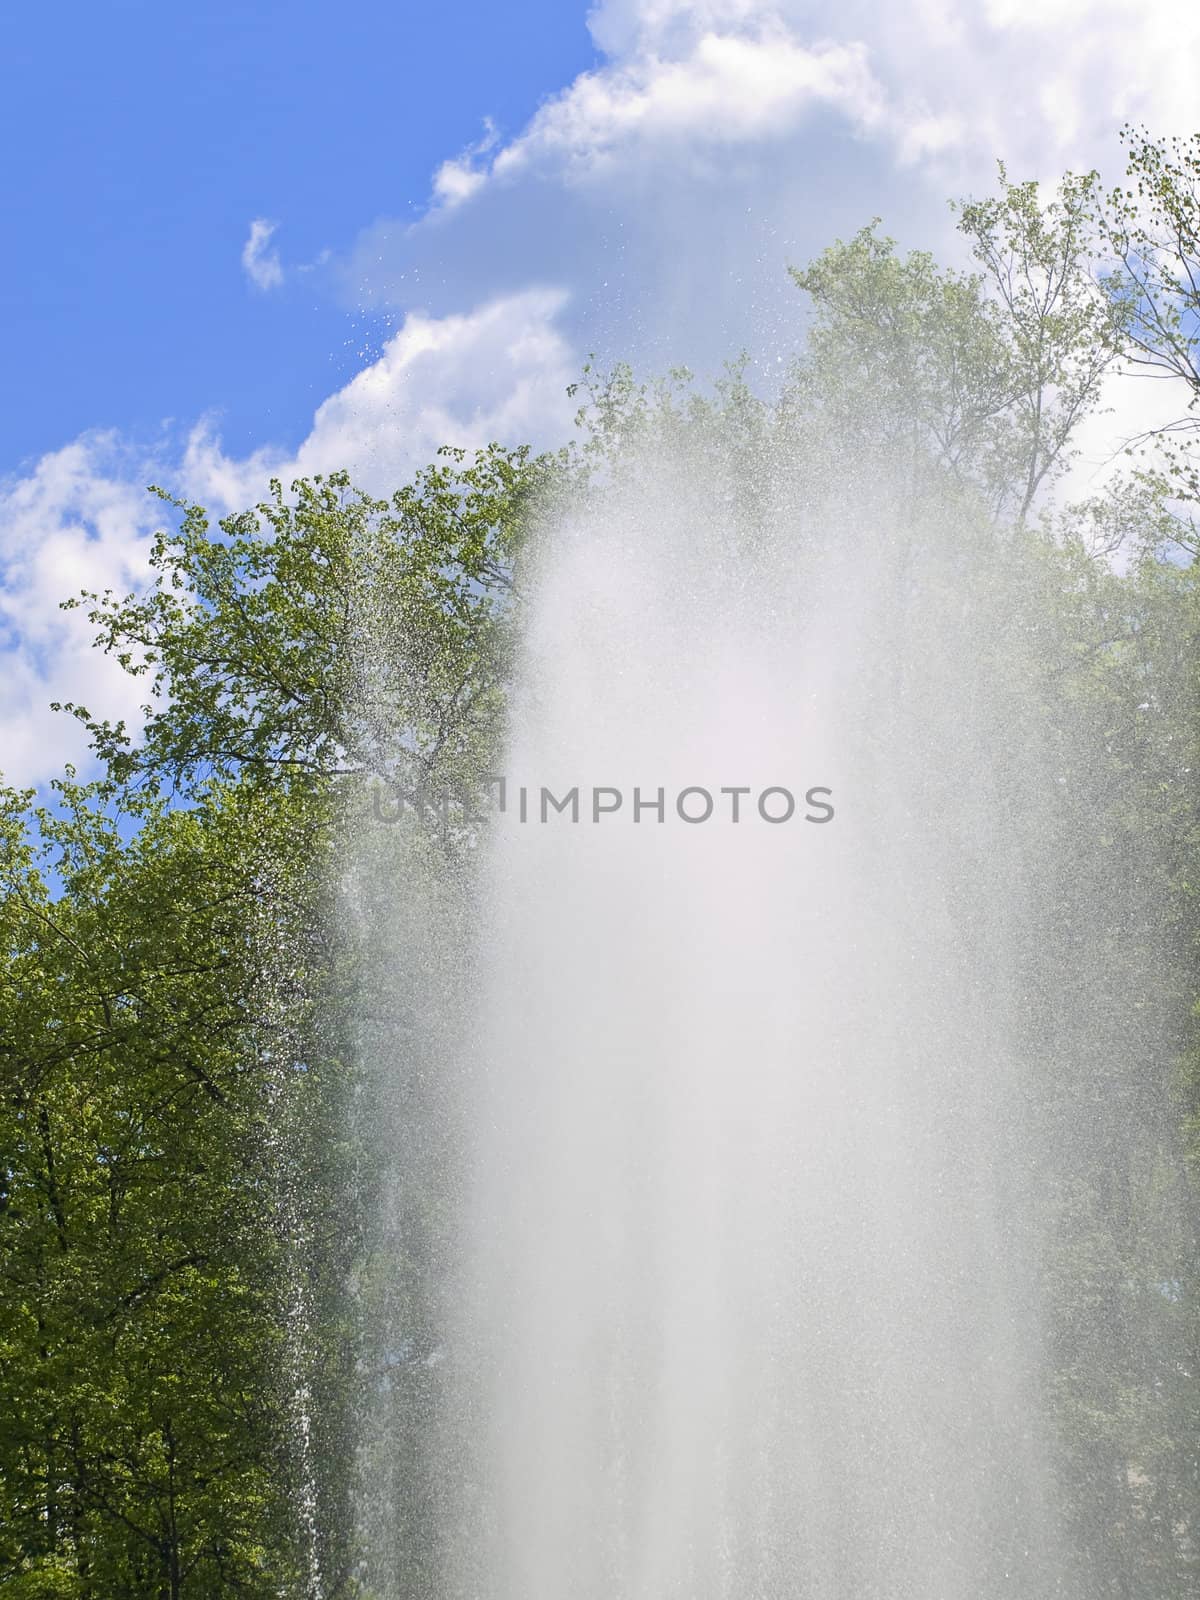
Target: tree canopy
(187,1170)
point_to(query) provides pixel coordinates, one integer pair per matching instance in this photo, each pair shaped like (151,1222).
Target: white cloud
(259,261)
(725,89)
(678,75)
(1132,405)
(1043,83)
(619,27)
(457,180)
(499,372)
(80,520)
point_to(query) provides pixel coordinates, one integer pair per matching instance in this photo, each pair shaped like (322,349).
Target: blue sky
(142,139)
(280,238)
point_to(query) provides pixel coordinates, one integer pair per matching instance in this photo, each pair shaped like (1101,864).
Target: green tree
(146,1429)
(185,1179)
(327,634)
(980,377)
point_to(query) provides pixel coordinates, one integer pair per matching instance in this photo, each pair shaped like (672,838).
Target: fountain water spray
(745,1225)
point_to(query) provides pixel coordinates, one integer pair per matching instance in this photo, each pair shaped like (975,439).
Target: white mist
(746,1297)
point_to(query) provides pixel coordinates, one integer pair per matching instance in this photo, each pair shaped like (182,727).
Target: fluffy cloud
(1044,84)
(457,179)
(957,82)
(499,372)
(80,520)
(941,86)
(724,89)
(260,262)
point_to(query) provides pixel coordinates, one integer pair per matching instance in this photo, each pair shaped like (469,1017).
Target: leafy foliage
(187,1171)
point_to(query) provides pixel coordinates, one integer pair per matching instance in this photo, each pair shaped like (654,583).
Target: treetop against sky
(270,240)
